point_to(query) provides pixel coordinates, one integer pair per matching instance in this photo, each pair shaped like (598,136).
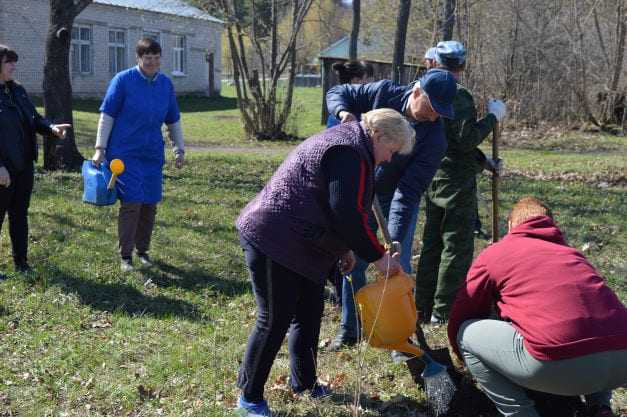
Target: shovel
(388,313)
(496,133)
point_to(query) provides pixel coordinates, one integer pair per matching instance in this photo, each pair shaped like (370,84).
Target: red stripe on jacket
(364,213)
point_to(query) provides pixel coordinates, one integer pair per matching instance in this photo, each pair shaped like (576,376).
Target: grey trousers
(135,224)
(495,355)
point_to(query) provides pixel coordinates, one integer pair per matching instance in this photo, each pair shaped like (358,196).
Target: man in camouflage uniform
(451,199)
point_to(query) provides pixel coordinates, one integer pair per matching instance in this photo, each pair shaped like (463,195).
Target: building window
(80,49)
(179,66)
(152,35)
(117,51)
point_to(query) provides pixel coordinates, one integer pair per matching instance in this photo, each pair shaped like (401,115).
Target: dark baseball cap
(441,87)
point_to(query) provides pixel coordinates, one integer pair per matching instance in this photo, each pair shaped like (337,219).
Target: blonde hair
(392,127)
(527,208)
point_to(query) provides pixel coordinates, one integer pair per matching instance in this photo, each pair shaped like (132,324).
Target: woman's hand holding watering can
(389,264)
(98,157)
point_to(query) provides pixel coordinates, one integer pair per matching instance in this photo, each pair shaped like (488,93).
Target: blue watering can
(95,184)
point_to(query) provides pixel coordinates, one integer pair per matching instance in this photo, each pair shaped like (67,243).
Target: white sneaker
(126,265)
(144,259)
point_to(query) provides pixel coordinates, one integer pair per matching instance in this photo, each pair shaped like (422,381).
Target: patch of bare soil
(597,179)
(556,138)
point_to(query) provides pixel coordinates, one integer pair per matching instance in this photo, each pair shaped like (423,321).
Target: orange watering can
(388,313)
(388,310)
(388,317)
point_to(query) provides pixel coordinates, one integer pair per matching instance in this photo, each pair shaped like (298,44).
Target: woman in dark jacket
(311,216)
(19,122)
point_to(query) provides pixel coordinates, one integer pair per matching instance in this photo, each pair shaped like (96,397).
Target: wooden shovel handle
(383,225)
(496,134)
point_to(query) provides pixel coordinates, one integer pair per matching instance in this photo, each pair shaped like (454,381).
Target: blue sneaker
(318,391)
(248,409)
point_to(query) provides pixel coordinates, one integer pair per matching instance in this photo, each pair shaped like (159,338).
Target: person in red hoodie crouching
(560,329)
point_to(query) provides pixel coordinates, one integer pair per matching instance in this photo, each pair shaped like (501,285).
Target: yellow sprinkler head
(117,168)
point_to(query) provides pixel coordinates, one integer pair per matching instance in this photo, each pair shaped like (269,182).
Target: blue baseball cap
(440,86)
(450,53)
(430,54)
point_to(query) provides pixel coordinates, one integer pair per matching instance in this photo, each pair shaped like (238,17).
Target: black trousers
(285,300)
(15,200)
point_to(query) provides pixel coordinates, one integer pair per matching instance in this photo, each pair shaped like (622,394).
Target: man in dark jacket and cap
(400,183)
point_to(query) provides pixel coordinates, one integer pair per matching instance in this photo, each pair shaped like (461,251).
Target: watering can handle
(383,225)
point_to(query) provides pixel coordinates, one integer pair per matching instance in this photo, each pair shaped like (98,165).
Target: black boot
(23,267)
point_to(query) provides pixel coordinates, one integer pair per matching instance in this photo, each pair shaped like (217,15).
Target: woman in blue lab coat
(138,102)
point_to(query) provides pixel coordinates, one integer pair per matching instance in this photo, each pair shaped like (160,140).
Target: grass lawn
(80,339)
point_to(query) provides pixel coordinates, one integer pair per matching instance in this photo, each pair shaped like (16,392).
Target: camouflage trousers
(447,245)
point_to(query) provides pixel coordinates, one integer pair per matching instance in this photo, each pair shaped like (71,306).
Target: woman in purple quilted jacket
(310,216)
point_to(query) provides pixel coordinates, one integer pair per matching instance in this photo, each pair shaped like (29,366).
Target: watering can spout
(388,316)
(407,347)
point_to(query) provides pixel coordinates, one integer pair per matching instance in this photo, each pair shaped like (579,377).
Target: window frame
(76,46)
(181,70)
(117,45)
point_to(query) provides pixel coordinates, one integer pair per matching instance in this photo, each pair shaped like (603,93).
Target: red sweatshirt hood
(541,227)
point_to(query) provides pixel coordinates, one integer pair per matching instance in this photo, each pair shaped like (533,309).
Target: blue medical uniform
(139,107)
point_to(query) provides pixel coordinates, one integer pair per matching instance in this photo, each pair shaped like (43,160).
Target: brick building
(103,42)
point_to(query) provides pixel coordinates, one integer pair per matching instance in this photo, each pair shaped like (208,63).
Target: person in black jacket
(19,122)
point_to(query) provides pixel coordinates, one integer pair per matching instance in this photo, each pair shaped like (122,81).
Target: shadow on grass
(201,104)
(165,275)
(121,297)
(186,104)
(400,405)
(61,221)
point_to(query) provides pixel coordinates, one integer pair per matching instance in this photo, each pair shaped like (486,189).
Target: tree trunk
(404,9)
(448,20)
(264,112)
(510,65)
(352,49)
(60,154)
(614,95)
